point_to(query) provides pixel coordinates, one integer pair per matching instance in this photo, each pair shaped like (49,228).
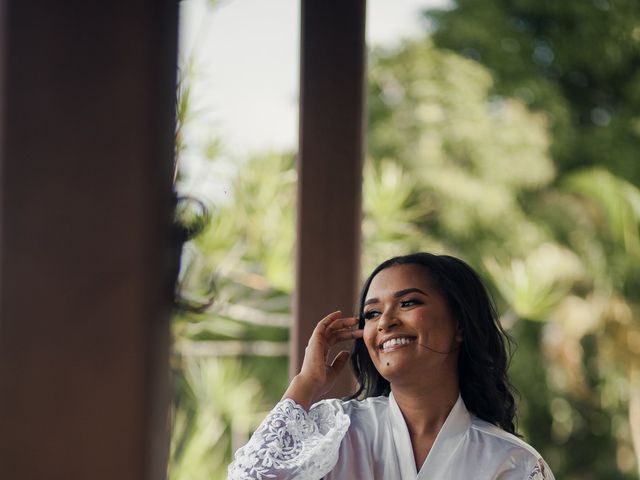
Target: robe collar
(451,434)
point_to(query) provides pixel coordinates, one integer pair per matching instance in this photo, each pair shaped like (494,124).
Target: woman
(430,358)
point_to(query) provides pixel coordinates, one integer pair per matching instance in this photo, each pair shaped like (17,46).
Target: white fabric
(369,439)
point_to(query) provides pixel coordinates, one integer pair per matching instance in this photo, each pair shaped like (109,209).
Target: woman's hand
(317,375)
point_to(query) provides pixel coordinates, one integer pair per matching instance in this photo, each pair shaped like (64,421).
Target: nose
(387,320)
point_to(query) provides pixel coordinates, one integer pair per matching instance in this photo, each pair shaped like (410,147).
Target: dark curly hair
(485,351)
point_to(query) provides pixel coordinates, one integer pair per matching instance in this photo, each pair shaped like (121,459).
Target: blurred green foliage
(481,166)
(576,64)
(575,60)
(507,138)
(230,361)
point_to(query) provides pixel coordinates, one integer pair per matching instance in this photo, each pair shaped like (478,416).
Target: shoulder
(500,437)
(362,414)
(514,452)
(355,408)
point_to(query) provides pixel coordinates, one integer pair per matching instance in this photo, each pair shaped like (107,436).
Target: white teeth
(396,341)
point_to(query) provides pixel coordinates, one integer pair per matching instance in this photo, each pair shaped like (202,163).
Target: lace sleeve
(541,471)
(291,443)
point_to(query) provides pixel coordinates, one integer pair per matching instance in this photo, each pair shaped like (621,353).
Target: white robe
(369,439)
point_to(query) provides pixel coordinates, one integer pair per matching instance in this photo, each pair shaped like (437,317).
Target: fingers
(333,322)
(339,362)
(331,330)
(334,328)
(346,335)
(343,323)
(326,322)
(341,357)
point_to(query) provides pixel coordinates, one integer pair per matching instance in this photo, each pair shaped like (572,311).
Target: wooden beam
(329,166)
(86,153)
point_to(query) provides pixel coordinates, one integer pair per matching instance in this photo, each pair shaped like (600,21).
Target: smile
(395,343)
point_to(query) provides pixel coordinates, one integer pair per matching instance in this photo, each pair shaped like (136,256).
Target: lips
(395,342)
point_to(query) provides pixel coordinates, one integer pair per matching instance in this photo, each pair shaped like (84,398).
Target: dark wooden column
(86,147)
(329,166)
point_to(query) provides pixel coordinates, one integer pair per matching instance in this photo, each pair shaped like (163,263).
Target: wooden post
(329,167)
(87,91)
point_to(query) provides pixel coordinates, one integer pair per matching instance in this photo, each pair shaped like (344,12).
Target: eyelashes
(368,315)
(407,303)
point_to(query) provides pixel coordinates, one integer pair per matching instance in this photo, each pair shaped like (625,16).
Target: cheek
(369,337)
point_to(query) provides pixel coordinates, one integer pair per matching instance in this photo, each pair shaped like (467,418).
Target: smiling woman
(408,326)
(433,398)
(454,292)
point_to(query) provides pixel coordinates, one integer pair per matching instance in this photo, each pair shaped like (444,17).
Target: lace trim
(541,471)
(292,443)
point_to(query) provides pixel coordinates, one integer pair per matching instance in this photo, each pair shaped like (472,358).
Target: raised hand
(317,375)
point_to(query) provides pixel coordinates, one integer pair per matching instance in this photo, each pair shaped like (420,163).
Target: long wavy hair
(485,351)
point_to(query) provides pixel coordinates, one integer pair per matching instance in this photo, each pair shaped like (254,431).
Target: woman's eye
(370,314)
(408,303)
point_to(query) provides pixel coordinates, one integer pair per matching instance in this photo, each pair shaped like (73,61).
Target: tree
(469,156)
(230,358)
(577,61)
(458,163)
(477,168)
(230,333)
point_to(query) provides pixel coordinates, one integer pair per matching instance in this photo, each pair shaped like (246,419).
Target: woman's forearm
(302,391)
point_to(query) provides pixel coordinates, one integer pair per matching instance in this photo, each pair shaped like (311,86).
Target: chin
(391,371)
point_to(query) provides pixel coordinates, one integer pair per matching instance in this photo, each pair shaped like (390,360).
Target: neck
(426,407)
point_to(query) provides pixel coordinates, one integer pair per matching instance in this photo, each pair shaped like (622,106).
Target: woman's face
(408,328)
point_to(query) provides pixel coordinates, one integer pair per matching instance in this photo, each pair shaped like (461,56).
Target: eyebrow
(399,293)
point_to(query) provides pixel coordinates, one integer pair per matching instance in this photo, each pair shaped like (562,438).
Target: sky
(245,54)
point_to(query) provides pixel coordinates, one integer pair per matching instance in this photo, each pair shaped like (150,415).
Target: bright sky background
(245,87)
(246,56)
